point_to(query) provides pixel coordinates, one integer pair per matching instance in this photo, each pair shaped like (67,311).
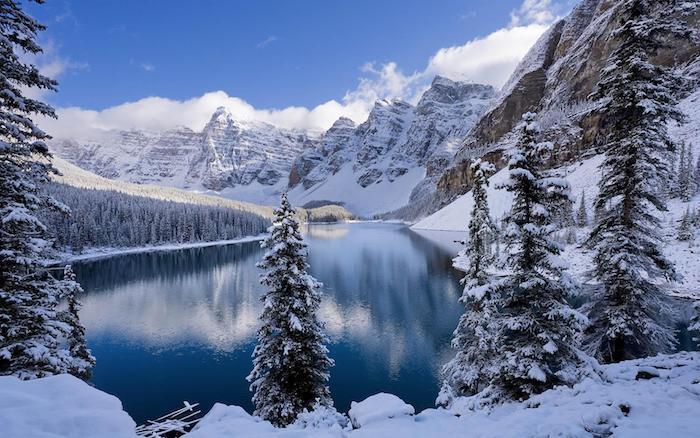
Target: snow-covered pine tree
(474,338)
(537,329)
(82,360)
(31,335)
(685,227)
(692,185)
(582,214)
(636,101)
(694,325)
(696,176)
(290,362)
(686,177)
(682,176)
(565,214)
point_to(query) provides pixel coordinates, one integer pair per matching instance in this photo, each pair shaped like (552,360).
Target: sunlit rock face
(556,79)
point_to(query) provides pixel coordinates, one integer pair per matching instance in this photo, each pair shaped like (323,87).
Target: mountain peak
(343,122)
(442,80)
(220,112)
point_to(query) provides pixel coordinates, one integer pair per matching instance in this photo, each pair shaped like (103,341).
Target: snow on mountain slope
(456,215)
(342,187)
(75,176)
(375,166)
(226,154)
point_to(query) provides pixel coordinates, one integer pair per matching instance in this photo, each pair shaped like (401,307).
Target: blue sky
(269,54)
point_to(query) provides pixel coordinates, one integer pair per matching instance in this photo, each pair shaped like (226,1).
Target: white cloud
(157,113)
(384,81)
(490,59)
(148,67)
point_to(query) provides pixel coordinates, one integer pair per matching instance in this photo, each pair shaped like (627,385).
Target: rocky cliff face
(555,79)
(396,140)
(226,153)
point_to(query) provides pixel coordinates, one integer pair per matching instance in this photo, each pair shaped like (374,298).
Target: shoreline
(103,253)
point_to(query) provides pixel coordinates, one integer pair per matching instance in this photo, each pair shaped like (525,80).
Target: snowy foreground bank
(655,397)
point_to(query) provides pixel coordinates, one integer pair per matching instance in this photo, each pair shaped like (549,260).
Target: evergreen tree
(682,175)
(686,176)
(685,227)
(473,339)
(31,335)
(694,325)
(696,176)
(537,329)
(290,362)
(83,361)
(582,214)
(565,214)
(692,185)
(636,101)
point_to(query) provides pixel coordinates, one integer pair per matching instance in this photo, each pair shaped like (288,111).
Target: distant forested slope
(108,213)
(108,218)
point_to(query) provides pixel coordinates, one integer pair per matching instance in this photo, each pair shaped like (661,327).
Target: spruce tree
(682,175)
(83,361)
(687,177)
(290,362)
(565,214)
(694,325)
(582,214)
(637,99)
(31,334)
(696,176)
(692,184)
(685,227)
(537,332)
(474,338)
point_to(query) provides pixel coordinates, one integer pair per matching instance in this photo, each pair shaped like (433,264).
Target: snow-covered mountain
(371,168)
(377,166)
(226,156)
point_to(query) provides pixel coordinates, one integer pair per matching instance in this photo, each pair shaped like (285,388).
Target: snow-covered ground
(60,406)
(365,201)
(456,215)
(583,177)
(646,398)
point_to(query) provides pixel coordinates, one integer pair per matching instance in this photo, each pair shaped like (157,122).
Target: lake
(181,325)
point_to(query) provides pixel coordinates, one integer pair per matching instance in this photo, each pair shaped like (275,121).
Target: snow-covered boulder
(232,421)
(378,407)
(60,406)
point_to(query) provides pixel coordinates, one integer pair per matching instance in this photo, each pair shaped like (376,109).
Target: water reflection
(180,325)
